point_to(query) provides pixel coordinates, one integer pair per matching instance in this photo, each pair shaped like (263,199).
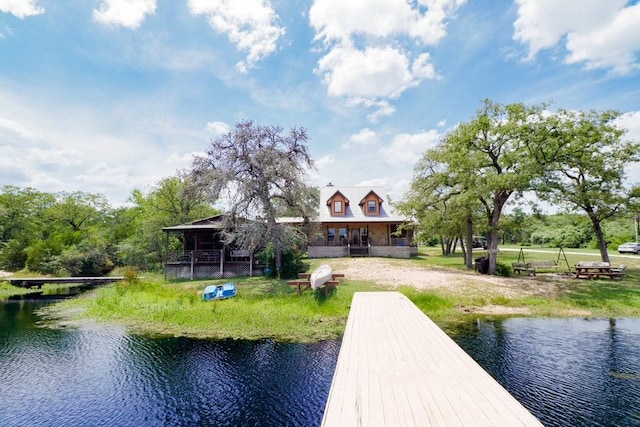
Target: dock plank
(397,368)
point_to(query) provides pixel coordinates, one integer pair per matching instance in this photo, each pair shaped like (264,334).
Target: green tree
(585,159)
(487,160)
(171,201)
(259,172)
(441,206)
(22,222)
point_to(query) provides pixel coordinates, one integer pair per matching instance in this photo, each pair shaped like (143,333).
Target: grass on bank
(263,308)
(269,308)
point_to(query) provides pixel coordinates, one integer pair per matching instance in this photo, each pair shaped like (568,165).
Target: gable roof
(355,213)
(215,222)
(346,199)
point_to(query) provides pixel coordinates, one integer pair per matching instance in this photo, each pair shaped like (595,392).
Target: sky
(108,96)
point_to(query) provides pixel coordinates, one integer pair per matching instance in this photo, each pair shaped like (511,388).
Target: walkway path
(397,368)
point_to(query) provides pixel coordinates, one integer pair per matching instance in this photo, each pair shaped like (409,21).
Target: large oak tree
(260,172)
(482,163)
(585,158)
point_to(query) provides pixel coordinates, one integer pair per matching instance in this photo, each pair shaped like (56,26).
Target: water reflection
(566,371)
(102,376)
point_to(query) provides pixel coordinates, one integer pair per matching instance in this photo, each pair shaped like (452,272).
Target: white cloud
(127,13)
(366,137)
(325,161)
(21,8)
(63,156)
(631,122)
(367,61)
(15,128)
(602,34)
(406,149)
(250,25)
(372,73)
(339,20)
(218,128)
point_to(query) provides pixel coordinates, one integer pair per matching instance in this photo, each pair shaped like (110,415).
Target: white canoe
(320,276)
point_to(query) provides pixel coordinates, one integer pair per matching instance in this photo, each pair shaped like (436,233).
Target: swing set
(531,267)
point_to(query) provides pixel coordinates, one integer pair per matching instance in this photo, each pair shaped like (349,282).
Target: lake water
(102,376)
(566,371)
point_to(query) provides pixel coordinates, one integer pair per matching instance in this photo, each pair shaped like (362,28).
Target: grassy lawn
(269,308)
(263,308)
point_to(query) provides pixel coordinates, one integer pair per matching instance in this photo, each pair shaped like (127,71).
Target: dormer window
(371,204)
(338,204)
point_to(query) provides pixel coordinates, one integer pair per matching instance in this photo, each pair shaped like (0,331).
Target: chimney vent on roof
(329,185)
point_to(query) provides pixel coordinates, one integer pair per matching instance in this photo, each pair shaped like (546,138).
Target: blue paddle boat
(224,291)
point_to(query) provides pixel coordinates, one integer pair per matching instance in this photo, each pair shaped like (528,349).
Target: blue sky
(106,96)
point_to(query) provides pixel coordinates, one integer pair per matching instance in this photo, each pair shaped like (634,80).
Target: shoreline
(268,308)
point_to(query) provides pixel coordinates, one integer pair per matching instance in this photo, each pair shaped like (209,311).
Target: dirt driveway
(394,273)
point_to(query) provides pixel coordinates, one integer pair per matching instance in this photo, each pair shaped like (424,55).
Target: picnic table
(591,270)
(303,283)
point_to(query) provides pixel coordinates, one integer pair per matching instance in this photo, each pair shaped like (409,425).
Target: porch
(211,264)
(397,248)
(361,239)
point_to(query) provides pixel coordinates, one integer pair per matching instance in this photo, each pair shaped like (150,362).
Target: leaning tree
(585,158)
(482,163)
(259,172)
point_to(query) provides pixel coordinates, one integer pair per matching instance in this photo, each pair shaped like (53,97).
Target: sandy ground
(394,273)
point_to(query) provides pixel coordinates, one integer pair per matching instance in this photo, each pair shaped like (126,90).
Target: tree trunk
(494,221)
(278,253)
(602,243)
(469,254)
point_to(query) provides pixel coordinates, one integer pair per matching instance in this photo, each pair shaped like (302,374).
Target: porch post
(193,260)
(222,262)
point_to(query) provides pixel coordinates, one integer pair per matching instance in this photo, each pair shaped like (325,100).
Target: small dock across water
(30,282)
(397,368)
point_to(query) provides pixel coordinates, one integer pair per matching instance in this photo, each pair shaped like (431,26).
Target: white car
(629,248)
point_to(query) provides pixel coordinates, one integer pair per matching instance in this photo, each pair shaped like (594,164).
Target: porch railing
(198,256)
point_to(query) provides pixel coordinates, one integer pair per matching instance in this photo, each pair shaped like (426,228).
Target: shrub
(131,275)
(93,262)
(503,270)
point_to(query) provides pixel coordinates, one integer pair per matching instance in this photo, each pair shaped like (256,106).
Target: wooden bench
(519,267)
(307,276)
(302,285)
(532,267)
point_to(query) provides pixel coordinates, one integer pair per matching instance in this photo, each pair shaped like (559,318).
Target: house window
(331,235)
(398,231)
(337,206)
(343,234)
(372,206)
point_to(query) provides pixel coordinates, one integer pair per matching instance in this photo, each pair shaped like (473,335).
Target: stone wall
(327,251)
(380,251)
(393,251)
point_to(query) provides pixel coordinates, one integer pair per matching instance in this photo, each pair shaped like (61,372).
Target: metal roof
(354,212)
(212,223)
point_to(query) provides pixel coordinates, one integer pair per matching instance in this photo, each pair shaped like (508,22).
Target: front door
(355,237)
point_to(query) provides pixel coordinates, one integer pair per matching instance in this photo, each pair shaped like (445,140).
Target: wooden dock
(29,282)
(397,368)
